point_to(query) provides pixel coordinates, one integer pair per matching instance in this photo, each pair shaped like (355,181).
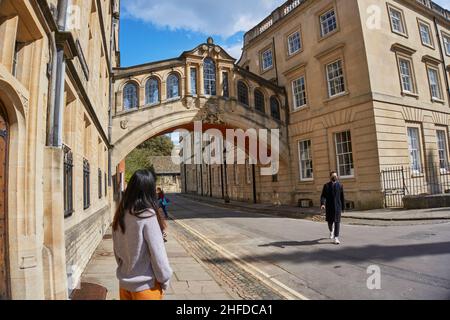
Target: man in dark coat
(332,199)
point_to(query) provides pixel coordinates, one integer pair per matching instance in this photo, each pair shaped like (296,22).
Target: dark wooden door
(4,138)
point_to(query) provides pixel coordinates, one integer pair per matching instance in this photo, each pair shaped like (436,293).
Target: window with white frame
(306,161)
(446,40)
(294,43)
(299,92)
(435,86)
(442,150)
(415,150)
(425,34)
(406,75)
(267,59)
(328,22)
(397,21)
(344,154)
(335,78)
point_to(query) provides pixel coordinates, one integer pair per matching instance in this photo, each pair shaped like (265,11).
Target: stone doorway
(4,141)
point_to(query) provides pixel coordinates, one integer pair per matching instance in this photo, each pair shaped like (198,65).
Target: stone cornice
(398,47)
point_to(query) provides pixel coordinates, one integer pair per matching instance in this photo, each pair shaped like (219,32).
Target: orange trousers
(152,294)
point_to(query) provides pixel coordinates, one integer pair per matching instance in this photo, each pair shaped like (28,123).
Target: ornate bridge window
(130,96)
(242,93)
(152,91)
(209,75)
(275,108)
(259,101)
(173,86)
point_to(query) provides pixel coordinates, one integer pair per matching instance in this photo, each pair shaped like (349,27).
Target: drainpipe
(442,57)
(275,59)
(111,89)
(55,134)
(51,88)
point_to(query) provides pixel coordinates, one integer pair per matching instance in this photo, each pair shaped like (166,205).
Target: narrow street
(283,258)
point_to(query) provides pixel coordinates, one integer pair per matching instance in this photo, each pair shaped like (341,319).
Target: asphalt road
(414,260)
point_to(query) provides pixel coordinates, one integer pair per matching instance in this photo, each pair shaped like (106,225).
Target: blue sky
(161,29)
(154,30)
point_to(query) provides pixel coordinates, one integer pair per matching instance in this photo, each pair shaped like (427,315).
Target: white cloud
(211,17)
(443,3)
(234,50)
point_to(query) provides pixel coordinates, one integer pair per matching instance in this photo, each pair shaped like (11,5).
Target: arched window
(173,86)
(209,76)
(130,96)
(275,108)
(152,91)
(242,93)
(259,101)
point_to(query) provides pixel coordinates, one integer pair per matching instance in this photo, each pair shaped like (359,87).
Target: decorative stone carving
(124,124)
(211,113)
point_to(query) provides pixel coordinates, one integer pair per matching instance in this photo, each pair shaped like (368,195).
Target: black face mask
(334,179)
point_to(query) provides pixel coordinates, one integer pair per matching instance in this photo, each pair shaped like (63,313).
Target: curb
(308,215)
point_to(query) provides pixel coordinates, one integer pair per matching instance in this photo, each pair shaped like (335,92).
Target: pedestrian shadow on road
(284,244)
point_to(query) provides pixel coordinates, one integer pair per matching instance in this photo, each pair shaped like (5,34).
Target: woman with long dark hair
(143,267)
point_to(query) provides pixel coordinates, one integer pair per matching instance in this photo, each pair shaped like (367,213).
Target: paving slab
(191,279)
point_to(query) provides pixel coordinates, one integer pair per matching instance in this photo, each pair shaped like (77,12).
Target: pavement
(221,252)
(191,279)
(308,213)
(296,255)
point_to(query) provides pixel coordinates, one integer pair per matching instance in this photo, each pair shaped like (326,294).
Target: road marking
(287,292)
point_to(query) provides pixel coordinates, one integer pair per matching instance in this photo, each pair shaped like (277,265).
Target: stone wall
(81,242)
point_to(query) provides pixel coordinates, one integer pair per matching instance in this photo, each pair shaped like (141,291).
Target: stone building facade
(355,86)
(367,88)
(56,59)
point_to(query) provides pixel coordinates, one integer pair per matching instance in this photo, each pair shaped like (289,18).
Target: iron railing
(401,181)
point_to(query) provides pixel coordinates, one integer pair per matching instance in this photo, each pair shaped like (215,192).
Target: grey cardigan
(140,253)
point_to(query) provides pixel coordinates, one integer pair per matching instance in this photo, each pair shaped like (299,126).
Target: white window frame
(290,38)
(302,161)
(433,85)
(442,146)
(415,151)
(404,75)
(265,59)
(429,33)
(324,33)
(338,162)
(298,93)
(331,81)
(446,41)
(404,31)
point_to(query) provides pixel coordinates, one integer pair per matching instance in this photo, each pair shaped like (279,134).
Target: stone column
(54,251)
(201,84)
(141,96)
(219,80)
(232,84)
(188,79)
(8,32)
